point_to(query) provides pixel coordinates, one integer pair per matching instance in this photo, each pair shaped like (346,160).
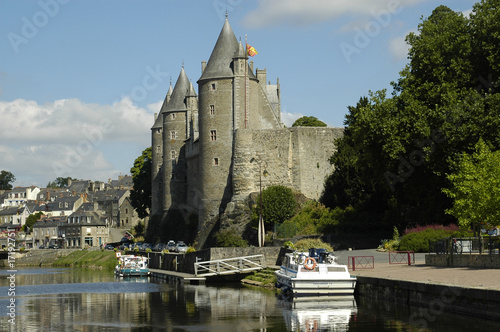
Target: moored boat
(131,266)
(314,273)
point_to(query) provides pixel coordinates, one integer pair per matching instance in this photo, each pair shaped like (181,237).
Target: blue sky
(80,80)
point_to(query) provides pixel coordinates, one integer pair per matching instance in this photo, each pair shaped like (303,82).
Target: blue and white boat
(314,273)
(132,266)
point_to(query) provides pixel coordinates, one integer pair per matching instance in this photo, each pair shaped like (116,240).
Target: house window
(212,109)
(213,135)
(216,161)
(172,155)
(126,211)
(173,134)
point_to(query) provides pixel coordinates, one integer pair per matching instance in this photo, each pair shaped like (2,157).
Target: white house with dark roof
(20,195)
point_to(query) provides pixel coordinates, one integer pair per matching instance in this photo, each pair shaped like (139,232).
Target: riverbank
(95,259)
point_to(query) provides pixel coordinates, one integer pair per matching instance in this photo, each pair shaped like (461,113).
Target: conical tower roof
(159,119)
(219,64)
(181,90)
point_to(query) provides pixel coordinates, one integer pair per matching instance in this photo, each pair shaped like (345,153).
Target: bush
(230,238)
(419,241)
(278,205)
(306,244)
(314,218)
(190,249)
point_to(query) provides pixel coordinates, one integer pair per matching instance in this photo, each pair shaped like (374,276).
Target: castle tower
(157,158)
(216,126)
(175,132)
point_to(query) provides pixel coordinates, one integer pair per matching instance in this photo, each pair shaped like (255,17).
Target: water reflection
(319,313)
(90,300)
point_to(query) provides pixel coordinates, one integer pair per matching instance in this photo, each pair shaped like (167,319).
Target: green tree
(397,149)
(278,205)
(31,220)
(60,182)
(140,195)
(475,188)
(308,121)
(6,178)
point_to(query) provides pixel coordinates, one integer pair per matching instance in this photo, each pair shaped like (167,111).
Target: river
(64,299)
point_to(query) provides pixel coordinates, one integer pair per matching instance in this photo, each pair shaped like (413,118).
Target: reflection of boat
(132,266)
(319,313)
(314,273)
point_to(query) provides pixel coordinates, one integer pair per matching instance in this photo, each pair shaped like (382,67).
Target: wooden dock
(178,277)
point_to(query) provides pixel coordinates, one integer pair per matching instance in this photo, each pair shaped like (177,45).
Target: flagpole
(246,68)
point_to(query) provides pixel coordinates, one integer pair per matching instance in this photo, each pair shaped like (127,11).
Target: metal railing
(401,257)
(466,245)
(229,265)
(360,262)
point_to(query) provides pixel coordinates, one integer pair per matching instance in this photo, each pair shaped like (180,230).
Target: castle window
(173,134)
(213,135)
(212,86)
(216,161)
(173,116)
(212,109)
(172,155)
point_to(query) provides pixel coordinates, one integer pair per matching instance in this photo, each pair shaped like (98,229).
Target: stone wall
(294,157)
(464,260)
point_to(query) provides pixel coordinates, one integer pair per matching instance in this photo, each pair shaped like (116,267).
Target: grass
(105,260)
(265,277)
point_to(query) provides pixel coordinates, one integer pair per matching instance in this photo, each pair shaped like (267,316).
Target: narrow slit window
(216,161)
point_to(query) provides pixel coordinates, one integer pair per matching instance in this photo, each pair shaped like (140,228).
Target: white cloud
(467,13)
(398,46)
(70,138)
(300,12)
(289,118)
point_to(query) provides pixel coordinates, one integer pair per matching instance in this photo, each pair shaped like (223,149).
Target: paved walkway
(455,276)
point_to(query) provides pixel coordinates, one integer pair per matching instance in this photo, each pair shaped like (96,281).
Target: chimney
(47,196)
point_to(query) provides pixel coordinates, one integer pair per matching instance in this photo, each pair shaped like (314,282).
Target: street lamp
(261,229)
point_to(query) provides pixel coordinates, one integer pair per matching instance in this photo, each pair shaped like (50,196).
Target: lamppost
(261,229)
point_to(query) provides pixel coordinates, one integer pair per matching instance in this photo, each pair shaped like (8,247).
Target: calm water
(90,300)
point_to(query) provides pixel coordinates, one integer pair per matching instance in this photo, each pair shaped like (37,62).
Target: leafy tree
(308,121)
(475,188)
(31,220)
(140,195)
(6,178)
(397,149)
(60,182)
(278,205)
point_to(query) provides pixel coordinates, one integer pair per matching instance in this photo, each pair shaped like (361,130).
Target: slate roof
(159,119)
(181,90)
(219,64)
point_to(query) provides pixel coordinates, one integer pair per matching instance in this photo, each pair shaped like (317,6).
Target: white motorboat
(314,273)
(132,266)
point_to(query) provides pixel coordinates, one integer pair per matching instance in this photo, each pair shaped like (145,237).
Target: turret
(174,134)
(157,157)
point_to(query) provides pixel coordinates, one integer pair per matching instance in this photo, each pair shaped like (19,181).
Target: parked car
(42,247)
(109,247)
(159,247)
(53,246)
(171,246)
(181,247)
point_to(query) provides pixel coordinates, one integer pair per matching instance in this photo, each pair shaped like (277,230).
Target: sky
(81,80)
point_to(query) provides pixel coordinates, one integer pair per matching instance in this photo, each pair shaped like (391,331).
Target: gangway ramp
(229,265)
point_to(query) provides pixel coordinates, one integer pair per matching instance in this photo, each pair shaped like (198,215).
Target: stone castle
(214,148)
